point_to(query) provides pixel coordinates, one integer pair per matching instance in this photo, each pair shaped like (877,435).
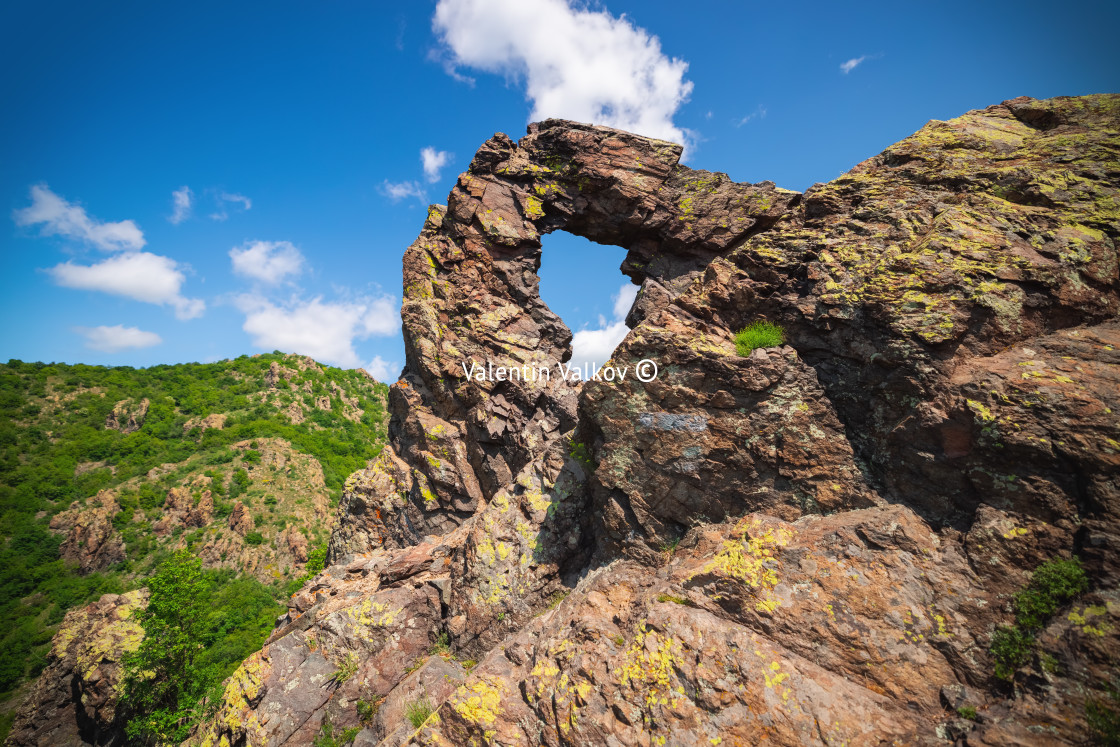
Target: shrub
(1053,583)
(968,712)
(254,538)
(1010,647)
(758,335)
(418,711)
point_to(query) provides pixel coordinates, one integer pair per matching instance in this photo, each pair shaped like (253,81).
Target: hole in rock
(582,283)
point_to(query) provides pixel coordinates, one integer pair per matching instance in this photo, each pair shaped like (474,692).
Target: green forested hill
(240,462)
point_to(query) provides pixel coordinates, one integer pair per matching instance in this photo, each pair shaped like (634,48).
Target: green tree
(163,684)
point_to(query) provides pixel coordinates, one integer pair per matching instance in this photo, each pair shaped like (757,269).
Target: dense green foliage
(758,335)
(198,626)
(55,449)
(1052,584)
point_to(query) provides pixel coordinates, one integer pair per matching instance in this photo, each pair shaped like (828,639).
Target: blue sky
(299,130)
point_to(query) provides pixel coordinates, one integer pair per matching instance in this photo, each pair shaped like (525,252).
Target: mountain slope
(106,471)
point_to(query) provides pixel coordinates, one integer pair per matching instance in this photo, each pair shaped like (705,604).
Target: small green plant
(581,453)
(670,546)
(346,668)
(501,616)
(1049,663)
(1104,719)
(758,334)
(367,709)
(254,538)
(968,712)
(419,662)
(468,664)
(619,639)
(1052,584)
(442,646)
(1010,647)
(555,600)
(671,598)
(327,737)
(418,711)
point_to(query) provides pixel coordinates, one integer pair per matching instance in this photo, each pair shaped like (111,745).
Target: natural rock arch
(471,294)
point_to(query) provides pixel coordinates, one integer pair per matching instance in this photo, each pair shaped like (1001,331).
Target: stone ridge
(812,544)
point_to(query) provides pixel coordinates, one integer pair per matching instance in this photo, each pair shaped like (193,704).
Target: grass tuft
(418,711)
(758,335)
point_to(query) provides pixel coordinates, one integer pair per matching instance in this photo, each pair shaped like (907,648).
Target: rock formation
(91,539)
(127,417)
(74,701)
(812,544)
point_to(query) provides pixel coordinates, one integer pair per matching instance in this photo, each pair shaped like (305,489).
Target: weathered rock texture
(74,702)
(91,540)
(809,545)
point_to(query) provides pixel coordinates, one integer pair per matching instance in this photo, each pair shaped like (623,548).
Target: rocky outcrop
(812,544)
(239,519)
(74,702)
(217,421)
(91,539)
(127,417)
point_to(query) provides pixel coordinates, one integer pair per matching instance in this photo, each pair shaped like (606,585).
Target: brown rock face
(810,544)
(91,540)
(127,417)
(240,520)
(74,702)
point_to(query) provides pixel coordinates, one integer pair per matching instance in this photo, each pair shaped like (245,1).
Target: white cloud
(61,218)
(383,370)
(758,113)
(181,200)
(140,276)
(225,200)
(624,299)
(852,64)
(595,346)
(324,331)
(577,64)
(266,261)
(397,191)
(116,338)
(434,161)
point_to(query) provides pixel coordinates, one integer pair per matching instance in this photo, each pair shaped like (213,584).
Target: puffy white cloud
(852,64)
(397,191)
(595,346)
(141,276)
(577,64)
(225,200)
(61,218)
(434,161)
(181,201)
(266,261)
(383,370)
(325,331)
(116,338)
